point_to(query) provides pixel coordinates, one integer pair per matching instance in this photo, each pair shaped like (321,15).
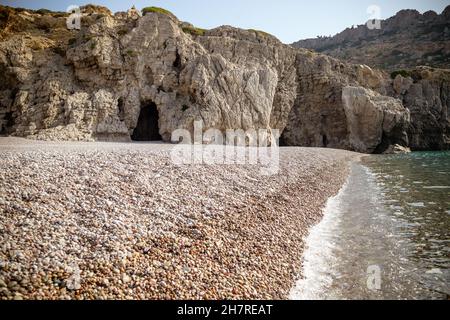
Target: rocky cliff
(403,41)
(124,76)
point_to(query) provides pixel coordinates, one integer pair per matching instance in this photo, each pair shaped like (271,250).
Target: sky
(288,20)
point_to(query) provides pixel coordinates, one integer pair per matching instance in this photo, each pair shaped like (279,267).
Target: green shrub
(72,41)
(60,51)
(43,11)
(59,14)
(156,10)
(19,9)
(194,31)
(310,53)
(131,53)
(3,15)
(261,33)
(122,32)
(93,44)
(403,73)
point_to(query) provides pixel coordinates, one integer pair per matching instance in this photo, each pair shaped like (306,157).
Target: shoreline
(131,225)
(319,250)
(379,214)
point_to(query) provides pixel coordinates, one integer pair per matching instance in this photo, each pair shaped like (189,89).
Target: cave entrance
(7,124)
(324,141)
(147,128)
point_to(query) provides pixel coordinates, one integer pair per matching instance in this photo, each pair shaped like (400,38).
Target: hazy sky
(289,20)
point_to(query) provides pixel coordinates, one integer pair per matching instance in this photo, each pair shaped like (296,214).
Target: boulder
(374,122)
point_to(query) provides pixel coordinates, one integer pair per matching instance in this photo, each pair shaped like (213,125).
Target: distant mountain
(404,41)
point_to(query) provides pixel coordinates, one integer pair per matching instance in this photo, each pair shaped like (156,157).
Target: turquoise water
(392,216)
(416,189)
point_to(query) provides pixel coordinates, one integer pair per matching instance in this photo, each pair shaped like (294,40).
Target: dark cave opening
(120,105)
(383,146)
(177,62)
(8,123)
(324,141)
(147,128)
(282,142)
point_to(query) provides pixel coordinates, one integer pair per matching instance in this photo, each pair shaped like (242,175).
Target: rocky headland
(94,83)
(87,215)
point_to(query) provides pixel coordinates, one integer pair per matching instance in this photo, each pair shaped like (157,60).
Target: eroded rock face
(374,121)
(426,94)
(92,84)
(317,117)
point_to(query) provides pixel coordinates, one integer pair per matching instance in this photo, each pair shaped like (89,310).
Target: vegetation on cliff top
(189,29)
(261,33)
(194,30)
(403,73)
(6,10)
(156,10)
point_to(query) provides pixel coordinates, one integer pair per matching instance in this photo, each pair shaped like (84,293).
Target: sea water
(385,235)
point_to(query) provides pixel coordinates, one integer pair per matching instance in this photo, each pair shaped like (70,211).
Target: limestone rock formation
(397,149)
(426,93)
(317,117)
(95,83)
(372,118)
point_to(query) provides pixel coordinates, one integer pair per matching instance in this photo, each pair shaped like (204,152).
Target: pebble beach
(121,221)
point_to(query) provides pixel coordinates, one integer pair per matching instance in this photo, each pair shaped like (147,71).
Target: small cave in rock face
(282,142)
(324,141)
(8,123)
(147,128)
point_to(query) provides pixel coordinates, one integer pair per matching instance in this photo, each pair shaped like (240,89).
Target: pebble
(197,232)
(18,296)
(125,278)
